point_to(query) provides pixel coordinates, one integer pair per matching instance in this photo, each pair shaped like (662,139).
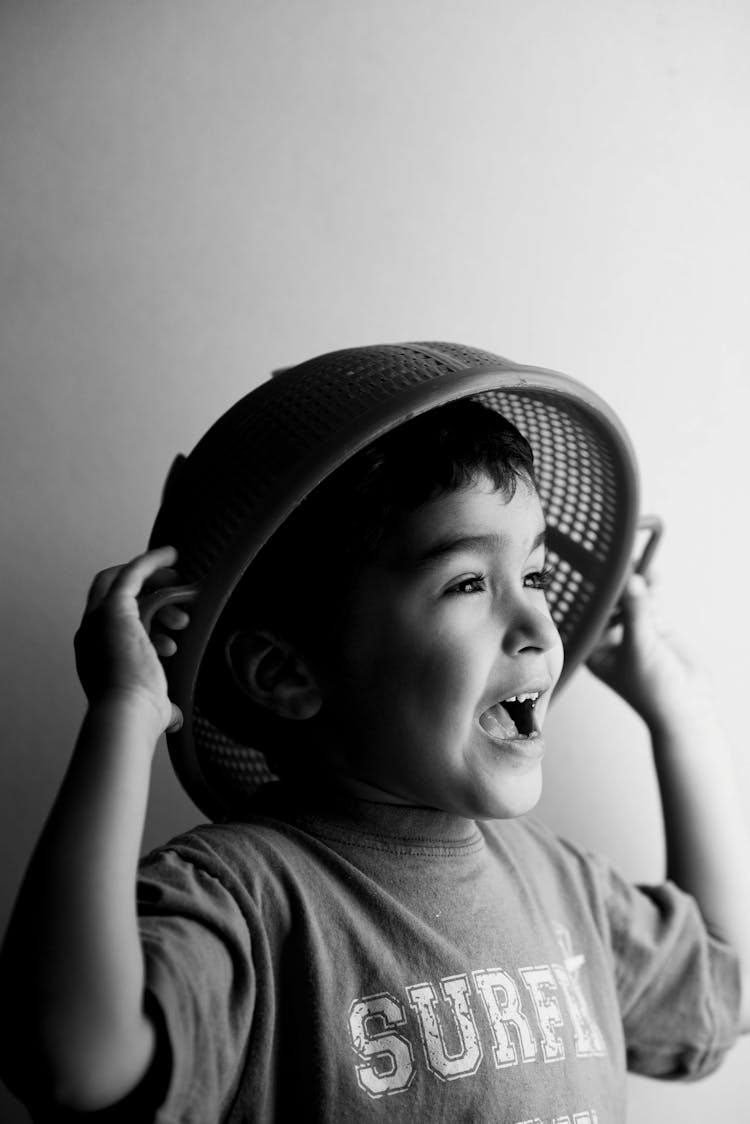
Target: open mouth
(513,717)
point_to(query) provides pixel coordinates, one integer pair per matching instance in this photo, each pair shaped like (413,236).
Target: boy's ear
(273,673)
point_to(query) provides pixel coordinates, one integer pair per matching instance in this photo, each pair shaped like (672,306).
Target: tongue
(498,723)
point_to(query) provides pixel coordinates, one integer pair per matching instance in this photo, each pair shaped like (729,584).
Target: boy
(383,934)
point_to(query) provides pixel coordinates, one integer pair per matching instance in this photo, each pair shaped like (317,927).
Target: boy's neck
(359,812)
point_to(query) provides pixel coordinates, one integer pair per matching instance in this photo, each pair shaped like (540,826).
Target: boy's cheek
(555,661)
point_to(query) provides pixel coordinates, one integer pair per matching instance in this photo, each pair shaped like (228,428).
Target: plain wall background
(194,193)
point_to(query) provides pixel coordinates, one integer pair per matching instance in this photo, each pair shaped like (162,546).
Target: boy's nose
(529,627)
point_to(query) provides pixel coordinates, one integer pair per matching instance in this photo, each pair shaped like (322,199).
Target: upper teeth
(533,695)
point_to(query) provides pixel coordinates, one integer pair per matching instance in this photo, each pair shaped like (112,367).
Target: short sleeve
(679,987)
(199,973)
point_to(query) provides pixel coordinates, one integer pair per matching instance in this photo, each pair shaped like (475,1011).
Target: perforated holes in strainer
(569,462)
(231,769)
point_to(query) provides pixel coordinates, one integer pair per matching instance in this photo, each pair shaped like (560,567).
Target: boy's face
(448,621)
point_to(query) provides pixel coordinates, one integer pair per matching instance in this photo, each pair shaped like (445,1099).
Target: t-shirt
(366,962)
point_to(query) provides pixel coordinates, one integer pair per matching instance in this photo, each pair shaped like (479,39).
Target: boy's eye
(541,579)
(468,585)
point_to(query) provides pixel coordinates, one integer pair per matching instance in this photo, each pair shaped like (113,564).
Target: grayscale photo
(374,458)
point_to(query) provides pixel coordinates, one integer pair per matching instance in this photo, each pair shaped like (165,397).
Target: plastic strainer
(223,502)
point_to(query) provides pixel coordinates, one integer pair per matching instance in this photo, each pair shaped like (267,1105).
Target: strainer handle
(654,524)
(150,604)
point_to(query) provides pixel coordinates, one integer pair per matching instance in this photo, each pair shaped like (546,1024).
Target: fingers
(129,578)
(100,587)
(165,646)
(610,639)
(146,585)
(160,578)
(636,589)
(163,604)
(176,721)
(625,625)
(172,617)
(115,643)
(642,608)
(133,576)
(606,650)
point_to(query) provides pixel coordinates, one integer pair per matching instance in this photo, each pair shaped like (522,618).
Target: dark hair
(340,527)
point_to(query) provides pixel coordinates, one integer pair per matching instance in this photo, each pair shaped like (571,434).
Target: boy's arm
(72,968)
(708,846)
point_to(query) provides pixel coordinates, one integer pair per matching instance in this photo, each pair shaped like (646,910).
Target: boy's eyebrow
(453,544)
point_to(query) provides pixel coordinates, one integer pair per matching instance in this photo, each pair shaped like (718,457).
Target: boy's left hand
(644,662)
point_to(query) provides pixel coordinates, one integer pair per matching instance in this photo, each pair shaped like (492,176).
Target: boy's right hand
(115,655)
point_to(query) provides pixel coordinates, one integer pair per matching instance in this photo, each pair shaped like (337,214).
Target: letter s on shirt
(387,1064)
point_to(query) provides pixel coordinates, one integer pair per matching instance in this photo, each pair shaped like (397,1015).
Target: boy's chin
(509,800)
